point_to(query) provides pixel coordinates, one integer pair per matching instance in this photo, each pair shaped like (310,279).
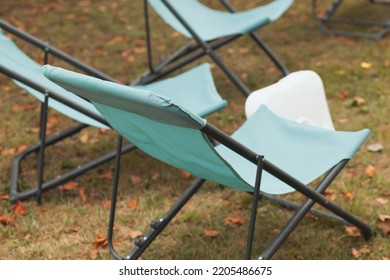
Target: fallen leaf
(84,138)
(69,186)
(357,101)
(185,175)
(347,195)
(4,196)
(351,173)
(356,253)
(6,220)
(21,148)
(82,194)
(384,223)
(211,233)
(93,254)
(365,65)
(370,171)
(135,233)
(75,229)
(6,89)
(133,204)
(22,107)
(352,231)
(382,200)
(342,95)
(375,148)
(155,176)
(9,152)
(107,175)
(105,131)
(135,180)
(100,241)
(330,195)
(234,221)
(243,49)
(19,209)
(106,203)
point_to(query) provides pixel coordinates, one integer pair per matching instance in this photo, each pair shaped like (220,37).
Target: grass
(110,37)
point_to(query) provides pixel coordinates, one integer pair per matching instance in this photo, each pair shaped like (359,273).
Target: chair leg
(261,43)
(301,212)
(320,199)
(235,80)
(142,243)
(255,202)
(42,144)
(16,194)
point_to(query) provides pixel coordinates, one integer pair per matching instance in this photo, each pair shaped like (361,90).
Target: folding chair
(203,98)
(268,151)
(210,29)
(330,18)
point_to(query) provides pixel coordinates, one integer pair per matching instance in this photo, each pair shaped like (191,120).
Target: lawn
(71,223)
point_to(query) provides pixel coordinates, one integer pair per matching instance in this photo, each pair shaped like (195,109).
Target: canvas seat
(211,29)
(197,83)
(267,153)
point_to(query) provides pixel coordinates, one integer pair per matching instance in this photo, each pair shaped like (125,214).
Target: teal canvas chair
(209,29)
(194,87)
(266,154)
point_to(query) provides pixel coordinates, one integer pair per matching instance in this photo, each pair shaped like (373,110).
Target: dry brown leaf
(93,254)
(52,121)
(234,221)
(155,176)
(19,209)
(347,195)
(6,220)
(9,152)
(356,253)
(22,107)
(382,200)
(352,231)
(185,175)
(75,229)
(351,173)
(82,194)
(211,233)
(21,148)
(330,195)
(6,89)
(135,233)
(107,175)
(4,196)
(106,203)
(105,131)
(135,180)
(384,223)
(100,241)
(370,171)
(133,204)
(69,186)
(84,138)
(357,101)
(342,95)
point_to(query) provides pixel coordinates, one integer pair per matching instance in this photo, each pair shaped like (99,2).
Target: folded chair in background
(329,18)
(210,29)
(203,98)
(267,153)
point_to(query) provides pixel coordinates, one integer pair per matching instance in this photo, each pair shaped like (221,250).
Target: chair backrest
(13,58)
(154,123)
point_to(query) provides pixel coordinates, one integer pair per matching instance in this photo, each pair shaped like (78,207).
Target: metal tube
(255,202)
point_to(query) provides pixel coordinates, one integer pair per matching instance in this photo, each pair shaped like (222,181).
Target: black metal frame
(190,52)
(46,141)
(313,196)
(329,18)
